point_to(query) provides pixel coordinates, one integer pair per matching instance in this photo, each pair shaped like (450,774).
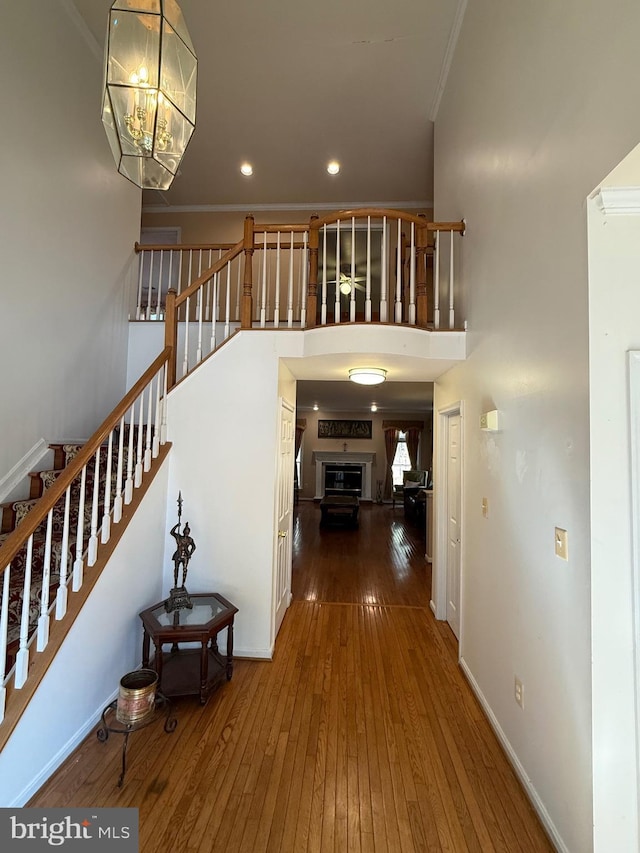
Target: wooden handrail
(33,519)
(233,252)
(181,247)
(378,212)
(273,229)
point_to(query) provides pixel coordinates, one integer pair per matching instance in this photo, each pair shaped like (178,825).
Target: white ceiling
(289,85)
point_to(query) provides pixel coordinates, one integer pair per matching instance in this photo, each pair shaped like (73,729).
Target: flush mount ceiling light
(367,375)
(333,167)
(149,99)
(246,169)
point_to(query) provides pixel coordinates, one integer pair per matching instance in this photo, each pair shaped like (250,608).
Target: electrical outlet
(519,692)
(562,543)
(485,507)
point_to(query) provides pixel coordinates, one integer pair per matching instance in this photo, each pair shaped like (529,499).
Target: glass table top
(205,609)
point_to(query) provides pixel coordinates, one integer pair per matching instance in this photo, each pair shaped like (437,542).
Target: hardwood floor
(360,735)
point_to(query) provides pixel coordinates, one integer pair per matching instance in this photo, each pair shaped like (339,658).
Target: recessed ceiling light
(374,408)
(315,407)
(367,375)
(333,167)
(246,169)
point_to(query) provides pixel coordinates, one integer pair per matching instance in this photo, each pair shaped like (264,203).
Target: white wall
(614,308)
(104,643)
(68,223)
(223,421)
(540,104)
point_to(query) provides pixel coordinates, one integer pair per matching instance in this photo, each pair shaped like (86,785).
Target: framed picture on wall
(344,429)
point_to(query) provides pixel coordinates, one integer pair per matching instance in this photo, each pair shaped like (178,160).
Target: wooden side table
(188,672)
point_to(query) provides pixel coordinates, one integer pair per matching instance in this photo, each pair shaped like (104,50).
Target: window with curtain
(401,460)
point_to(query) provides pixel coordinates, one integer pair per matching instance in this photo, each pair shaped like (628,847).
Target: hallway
(360,735)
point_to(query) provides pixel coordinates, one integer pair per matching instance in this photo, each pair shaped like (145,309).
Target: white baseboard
(253,654)
(18,473)
(433,607)
(50,768)
(521,773)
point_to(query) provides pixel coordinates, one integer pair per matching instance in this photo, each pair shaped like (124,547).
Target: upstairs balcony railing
(370,265)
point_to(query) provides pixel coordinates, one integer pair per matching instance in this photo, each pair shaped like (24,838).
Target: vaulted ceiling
(290,84)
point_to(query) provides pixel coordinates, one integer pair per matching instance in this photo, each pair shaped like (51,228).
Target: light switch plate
(562,543)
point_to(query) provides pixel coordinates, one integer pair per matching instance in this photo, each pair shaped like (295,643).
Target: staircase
(71,520)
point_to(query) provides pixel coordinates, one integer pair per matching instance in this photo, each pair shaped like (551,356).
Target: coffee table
(339,509)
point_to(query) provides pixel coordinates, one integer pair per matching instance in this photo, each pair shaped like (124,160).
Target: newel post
(312,291)
(171,336)
(422,238)
(246,309)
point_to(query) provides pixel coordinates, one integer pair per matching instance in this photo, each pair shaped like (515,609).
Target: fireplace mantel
(321,458)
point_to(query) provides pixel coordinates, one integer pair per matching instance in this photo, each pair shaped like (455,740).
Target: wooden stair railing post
(246,311)
(422,237)
(312,291)
(171,336)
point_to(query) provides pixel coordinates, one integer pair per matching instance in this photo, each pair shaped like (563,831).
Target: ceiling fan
(346,283)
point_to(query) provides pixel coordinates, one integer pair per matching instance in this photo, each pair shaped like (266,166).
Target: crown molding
(618,201)
(448,58)
(243,208)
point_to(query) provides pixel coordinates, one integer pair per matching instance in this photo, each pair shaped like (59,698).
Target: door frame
(440,566)
(283,403)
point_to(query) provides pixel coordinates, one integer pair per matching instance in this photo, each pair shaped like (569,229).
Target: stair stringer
(104,642)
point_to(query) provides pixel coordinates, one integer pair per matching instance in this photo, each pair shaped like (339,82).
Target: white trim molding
(22,468)
(633,358)
(618,201)
(448,58)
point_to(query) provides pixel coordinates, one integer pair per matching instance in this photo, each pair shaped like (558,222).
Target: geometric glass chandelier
(149,99)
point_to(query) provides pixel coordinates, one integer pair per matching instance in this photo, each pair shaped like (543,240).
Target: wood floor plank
(361,735)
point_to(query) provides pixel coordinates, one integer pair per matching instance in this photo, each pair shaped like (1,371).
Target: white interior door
(284,512)
(453,522)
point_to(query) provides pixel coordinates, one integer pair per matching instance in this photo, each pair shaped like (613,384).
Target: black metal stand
(162,707)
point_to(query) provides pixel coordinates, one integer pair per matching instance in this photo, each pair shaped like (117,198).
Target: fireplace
(347,473)
(343,479)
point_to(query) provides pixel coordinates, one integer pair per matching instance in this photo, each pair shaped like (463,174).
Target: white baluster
(139,298)
(263,306)
(105,530)
(217,292)
(290,289)
(352,295)
(384,272)
(336,301)
(163,428)
(150,289)
(276,298)
(22,658)
(43,619)
(323,315)
(436,283)
(128,486)
(61,593)
(155,446)
(412,276)
(137,478)
(451,312)
(227,303)
(207,313)
(185,359)
(180,271)
(398,314)
(305,269)
(92,547)
(118,500)
(214,286)
(170,281)
(158,315)
(367,301)
(78,565)
(238,289)
(199,312)
(4,627)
